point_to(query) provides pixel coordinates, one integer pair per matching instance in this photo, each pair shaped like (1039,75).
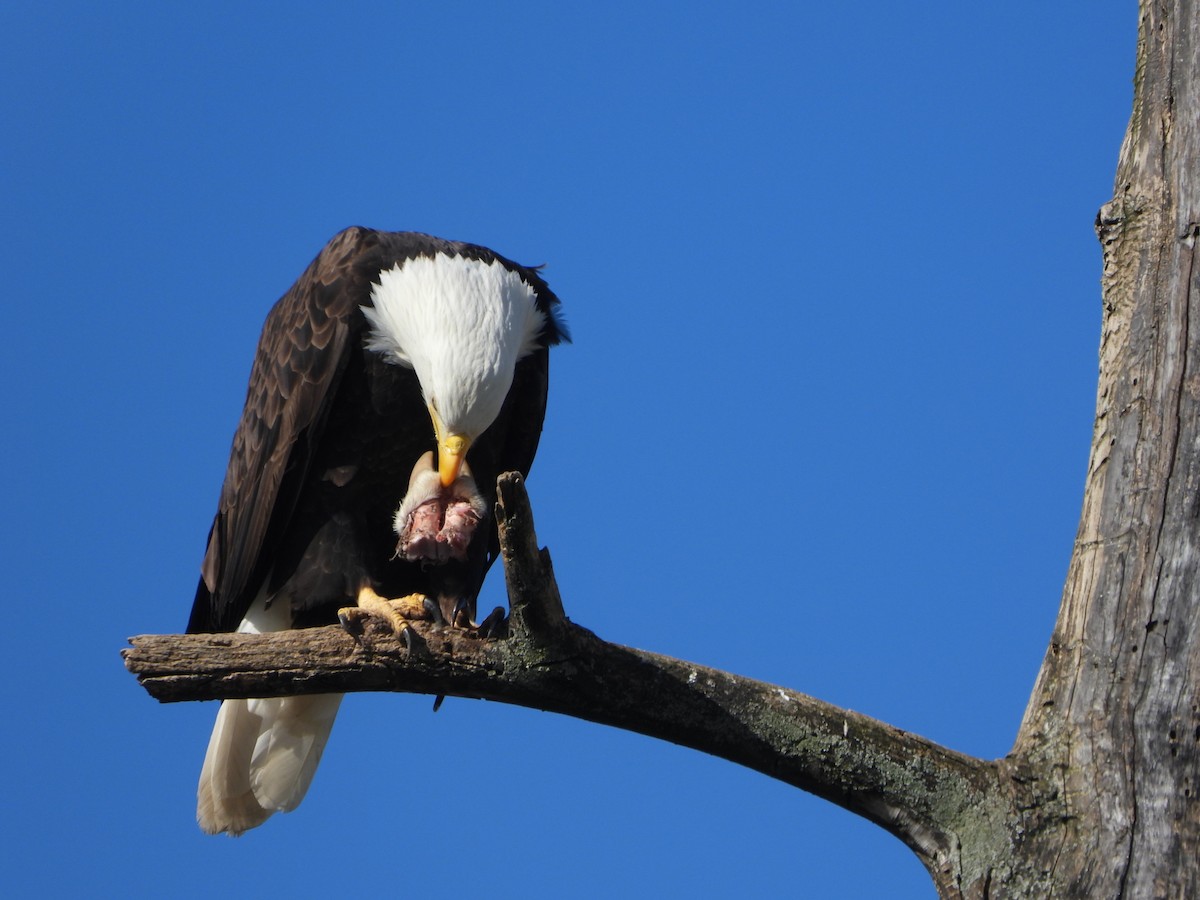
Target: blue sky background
(835,296)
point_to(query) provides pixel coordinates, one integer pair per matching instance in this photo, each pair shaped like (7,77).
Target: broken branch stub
(535,606)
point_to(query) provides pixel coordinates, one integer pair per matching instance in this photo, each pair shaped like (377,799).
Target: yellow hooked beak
(452,449)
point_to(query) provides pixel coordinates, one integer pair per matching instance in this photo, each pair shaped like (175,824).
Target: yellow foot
(397,613)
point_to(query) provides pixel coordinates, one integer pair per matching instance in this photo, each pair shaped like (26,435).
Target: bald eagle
(392,383)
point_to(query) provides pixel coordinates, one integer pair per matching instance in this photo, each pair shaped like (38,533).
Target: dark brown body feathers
(327,439)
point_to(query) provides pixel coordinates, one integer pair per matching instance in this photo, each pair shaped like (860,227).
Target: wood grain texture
(1115,715)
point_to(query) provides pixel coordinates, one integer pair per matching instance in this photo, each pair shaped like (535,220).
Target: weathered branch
(916,789)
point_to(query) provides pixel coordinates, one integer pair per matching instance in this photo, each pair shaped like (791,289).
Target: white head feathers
(461,324)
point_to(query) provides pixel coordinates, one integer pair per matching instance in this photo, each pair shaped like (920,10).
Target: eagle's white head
(461,324)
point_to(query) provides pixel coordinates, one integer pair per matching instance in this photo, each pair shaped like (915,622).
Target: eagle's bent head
(461,325)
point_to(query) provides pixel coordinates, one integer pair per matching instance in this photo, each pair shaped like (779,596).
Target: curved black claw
(434,611)
(352,624)
(462,613)
(495,625)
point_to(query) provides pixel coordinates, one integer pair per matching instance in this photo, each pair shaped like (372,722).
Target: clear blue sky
(835,296)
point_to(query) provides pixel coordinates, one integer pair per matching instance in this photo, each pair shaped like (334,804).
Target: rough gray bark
(1096,798)
(1114,721)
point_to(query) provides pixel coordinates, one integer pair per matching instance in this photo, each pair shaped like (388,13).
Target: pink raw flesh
(438,530)
(459,525)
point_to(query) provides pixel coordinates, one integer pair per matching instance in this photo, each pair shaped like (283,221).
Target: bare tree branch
(916,789)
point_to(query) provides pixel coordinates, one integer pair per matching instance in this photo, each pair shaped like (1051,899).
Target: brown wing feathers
(301,352)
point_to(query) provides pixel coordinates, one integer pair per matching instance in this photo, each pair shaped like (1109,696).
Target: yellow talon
(396,612)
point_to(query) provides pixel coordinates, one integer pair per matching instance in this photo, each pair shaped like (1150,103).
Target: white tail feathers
(261,759)
(263,753)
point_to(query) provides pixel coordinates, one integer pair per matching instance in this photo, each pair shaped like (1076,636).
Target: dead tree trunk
(1113,726)
(1096,798)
